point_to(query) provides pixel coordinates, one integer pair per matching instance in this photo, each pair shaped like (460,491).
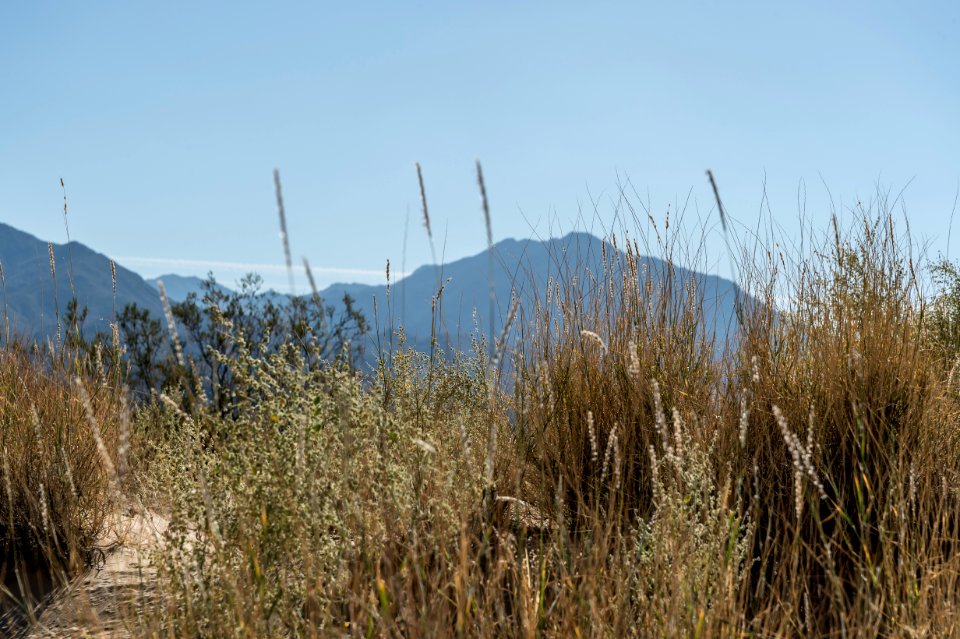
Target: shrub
(276,508)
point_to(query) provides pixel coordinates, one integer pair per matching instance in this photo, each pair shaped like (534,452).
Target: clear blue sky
(167,118)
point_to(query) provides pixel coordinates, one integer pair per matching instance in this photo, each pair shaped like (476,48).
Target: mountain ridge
(520,267)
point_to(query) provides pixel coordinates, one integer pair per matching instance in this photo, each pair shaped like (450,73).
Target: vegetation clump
(617,472)
(62,441)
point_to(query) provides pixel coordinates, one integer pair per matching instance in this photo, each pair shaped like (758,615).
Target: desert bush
(693,552)
(275,506)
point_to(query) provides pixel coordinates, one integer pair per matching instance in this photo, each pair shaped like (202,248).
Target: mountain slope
(28,291)
(522,267)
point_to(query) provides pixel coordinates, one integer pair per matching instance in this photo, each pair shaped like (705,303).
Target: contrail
(241,266)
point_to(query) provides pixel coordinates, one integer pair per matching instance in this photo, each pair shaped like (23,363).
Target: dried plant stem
(426,222)
(171,324)
(284,237)
(56,302)
(490,277)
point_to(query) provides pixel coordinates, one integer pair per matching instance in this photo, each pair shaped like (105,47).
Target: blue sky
(166,120)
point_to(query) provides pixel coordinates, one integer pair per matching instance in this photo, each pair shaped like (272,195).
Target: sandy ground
(94,605)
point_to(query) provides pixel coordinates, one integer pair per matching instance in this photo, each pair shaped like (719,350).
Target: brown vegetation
(626,477)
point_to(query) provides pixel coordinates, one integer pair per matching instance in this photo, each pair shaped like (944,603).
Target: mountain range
(521,268)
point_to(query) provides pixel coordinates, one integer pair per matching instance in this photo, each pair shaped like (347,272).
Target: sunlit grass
(620,474)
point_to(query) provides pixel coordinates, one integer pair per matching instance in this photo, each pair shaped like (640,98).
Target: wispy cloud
(240,267)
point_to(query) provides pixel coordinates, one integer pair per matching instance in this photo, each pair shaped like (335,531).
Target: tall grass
(632,477)
(59,444)
(637,479)
(828,422)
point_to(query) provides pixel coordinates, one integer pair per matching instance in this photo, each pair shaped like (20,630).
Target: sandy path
(96,604)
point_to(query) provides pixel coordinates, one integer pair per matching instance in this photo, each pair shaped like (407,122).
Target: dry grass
(59,483)
(832,442)
(637,479)
(636,484)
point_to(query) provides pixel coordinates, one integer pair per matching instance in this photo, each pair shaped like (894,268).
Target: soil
(100,602)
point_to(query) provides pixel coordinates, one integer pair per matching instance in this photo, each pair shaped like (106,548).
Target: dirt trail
(94,605)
